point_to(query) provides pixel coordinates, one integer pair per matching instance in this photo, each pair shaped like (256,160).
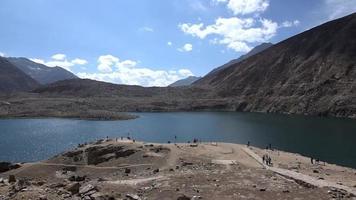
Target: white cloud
(59,56)
(287,24)
(243,7)
(59,60)
(79,61)
(2,54)
(169,43)
(186,48)
(147,29)
(106,63)
(236,33)
(339,8)
(127,72)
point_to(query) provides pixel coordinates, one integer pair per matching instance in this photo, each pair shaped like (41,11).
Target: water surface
(330,139)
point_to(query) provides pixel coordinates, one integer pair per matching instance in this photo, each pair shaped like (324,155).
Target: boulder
(86,189)
(183,197)
(127,170)
(12,178)
(73,188)
(6,166)
(76,178)
(133,197)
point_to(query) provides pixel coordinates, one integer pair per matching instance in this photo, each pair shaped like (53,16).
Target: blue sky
(152,42)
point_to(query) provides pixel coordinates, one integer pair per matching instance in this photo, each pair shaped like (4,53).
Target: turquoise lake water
(329,139)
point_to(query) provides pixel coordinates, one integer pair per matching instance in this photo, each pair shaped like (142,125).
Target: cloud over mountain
(113,69)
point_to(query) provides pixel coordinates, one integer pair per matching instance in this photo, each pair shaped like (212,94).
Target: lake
(329,139)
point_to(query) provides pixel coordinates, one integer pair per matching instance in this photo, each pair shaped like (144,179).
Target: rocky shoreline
(126,169)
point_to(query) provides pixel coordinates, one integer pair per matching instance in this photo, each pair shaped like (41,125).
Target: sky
(152,42)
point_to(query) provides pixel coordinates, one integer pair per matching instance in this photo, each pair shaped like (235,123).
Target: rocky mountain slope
(185,82)
(13,79)
(41,73)
(310,73)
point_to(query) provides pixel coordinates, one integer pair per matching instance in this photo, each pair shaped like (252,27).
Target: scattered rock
(86,189)
(39,183)
(56,185)
(186,164)
(76,178)
(43,197)
(183,197)
(339,193)
(305,184)
(127,170)
(133,197)
(73,188)
(12,178)
(155,171)
(6,166)
(99,196)
(315,171)
(262,189)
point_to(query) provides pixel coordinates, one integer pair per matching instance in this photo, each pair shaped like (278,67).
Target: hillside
(185,82)
(14,80)
(41,73)
(310,73)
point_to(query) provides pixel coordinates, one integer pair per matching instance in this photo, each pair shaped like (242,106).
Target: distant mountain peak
(185,82)
(257,49)
(13,79)
(41,73)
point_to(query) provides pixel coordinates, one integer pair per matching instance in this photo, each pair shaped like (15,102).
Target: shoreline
(120,116)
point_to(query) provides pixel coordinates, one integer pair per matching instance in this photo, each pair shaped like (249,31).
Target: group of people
(267,160)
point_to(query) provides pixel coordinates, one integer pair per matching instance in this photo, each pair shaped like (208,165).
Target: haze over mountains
(311,73)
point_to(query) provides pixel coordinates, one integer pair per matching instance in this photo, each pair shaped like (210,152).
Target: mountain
(254,51)
(310,73)
(13,79)
(41,73)
(185,82)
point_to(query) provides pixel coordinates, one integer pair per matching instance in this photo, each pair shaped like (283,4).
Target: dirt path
(298,176)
